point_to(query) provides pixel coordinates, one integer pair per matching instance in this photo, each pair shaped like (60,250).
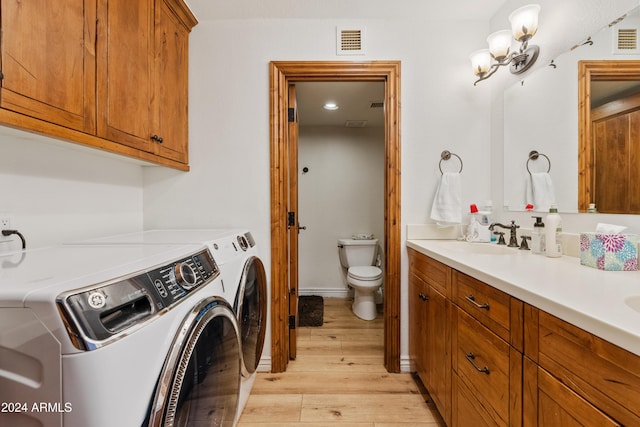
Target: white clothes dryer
(129,335)
(243,283)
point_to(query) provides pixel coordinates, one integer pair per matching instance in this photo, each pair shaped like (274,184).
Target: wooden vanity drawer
(602,373)
(495,309)
(490,369)
(431,271)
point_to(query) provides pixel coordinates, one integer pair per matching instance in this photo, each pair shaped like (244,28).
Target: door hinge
(291,219)
(292,322)
(291,115)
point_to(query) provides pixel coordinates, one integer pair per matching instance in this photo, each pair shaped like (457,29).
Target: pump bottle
(553,246)
(538,236)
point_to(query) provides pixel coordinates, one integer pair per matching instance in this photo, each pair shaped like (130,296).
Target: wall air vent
(350,41)
(377,104)
(355,123)
(625,40)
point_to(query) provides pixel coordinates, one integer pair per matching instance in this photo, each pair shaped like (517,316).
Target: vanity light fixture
(524,25)
(330,106)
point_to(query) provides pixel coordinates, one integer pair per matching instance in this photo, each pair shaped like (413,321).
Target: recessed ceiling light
(330,106)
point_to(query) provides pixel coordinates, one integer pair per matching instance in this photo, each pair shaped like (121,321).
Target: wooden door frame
(281,74)
(588,71)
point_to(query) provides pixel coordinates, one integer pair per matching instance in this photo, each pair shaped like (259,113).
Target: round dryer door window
(200,382)
(251,309)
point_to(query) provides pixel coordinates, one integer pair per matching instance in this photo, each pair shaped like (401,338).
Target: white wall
(57,192)
(229,119)
(342,194)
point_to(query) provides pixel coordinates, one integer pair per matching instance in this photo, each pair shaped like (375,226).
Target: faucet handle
(500,235)
(524,246)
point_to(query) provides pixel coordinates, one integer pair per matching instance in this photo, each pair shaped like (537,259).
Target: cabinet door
(557,405)
(439,352)
(170,80)
(417,322)
(124,71)
(48,61)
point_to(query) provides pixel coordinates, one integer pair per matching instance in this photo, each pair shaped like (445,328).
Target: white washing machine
(243,280)
(104,336)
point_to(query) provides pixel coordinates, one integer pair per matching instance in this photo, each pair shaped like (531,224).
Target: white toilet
(363,275)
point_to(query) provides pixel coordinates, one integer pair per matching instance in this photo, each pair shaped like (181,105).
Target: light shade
(524,22)
(500,44)
(480,61)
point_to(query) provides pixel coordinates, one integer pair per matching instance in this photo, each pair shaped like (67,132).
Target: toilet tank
(357,252)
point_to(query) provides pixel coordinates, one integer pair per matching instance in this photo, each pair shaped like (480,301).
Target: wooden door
(293,221)
(48,61)
(124,71)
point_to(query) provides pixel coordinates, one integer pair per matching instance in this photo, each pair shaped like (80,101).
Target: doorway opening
(282,74)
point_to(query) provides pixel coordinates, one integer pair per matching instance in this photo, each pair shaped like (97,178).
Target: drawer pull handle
(423,297)
(471,358)
(472,299)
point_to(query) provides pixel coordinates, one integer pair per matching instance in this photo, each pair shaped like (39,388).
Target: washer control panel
(97,316)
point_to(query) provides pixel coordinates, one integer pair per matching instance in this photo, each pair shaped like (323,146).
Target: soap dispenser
(537,236)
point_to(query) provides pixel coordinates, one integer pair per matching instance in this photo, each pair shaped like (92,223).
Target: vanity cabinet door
(601,373)
(48,62)
(438,341)
(418,298)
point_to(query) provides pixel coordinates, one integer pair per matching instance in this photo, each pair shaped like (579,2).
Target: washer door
(251,308)
(200,381)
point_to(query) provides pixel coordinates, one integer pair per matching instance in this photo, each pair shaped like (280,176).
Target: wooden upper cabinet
(170,80)
(48,61)
(110,74)
(125,31)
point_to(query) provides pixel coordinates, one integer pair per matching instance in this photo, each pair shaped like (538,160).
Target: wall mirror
(541,113)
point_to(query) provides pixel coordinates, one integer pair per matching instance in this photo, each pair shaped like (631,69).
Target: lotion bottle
(553,246)
(538,236)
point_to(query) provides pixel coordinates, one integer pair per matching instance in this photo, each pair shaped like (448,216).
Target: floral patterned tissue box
(609,251)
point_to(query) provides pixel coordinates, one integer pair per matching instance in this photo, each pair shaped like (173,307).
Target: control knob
(185,275)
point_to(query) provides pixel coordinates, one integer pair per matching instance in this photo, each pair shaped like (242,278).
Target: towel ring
(446,155)
(534,155)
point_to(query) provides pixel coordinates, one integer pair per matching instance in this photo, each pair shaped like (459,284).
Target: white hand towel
(447,207)
(540,191)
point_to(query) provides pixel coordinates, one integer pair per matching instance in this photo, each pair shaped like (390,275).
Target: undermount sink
(633,302)
(483,249)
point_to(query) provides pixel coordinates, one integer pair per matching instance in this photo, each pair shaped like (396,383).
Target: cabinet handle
(471,358)
(157,139)
(472,299)
(423,297)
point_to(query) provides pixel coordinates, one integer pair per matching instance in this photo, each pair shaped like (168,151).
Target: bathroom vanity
(502,337)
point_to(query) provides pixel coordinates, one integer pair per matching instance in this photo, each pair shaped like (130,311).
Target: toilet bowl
(365,281)
(359,256)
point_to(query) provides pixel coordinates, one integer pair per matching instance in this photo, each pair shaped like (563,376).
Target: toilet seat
(365,273)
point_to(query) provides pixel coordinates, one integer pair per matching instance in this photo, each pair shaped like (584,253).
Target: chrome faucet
(513,240)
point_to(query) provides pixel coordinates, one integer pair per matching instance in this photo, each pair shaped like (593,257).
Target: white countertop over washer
(597,301)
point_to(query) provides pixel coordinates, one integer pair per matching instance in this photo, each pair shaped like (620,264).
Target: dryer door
(200,381)
(251,308)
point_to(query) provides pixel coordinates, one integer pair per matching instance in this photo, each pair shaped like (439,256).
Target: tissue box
(609,251)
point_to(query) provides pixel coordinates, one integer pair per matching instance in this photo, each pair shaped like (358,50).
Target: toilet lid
(365,272)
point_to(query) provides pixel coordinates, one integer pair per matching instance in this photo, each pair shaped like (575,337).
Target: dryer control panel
(99,315)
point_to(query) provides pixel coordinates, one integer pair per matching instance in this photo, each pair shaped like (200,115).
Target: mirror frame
(588,71)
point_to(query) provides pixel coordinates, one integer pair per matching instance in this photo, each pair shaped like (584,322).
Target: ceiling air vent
(355,123)
(625,41)
(350,41)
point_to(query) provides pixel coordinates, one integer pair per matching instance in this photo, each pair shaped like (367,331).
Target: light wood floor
(339,378)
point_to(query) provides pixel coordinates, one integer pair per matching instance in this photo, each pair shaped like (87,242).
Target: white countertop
(597,301)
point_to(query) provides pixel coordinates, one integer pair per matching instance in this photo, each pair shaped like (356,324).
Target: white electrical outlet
(5,224)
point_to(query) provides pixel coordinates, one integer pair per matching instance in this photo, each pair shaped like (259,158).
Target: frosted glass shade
(480,61)
(524,22)
(500,44)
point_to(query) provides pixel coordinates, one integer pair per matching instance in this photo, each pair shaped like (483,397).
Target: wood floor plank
(338,378)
